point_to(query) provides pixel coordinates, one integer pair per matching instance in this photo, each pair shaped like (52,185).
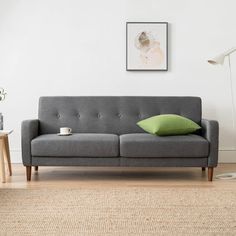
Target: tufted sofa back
(117,115)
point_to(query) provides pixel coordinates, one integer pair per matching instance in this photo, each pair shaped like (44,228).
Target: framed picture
(146,46)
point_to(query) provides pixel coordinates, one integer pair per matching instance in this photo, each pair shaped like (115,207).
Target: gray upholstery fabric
(108,117)
(147,145)
(210,131)
(76,145)
(117,161)
(75,161)
(29,130)
(116,115)
(164,162)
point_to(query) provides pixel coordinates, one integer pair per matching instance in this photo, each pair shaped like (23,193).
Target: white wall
(69,47)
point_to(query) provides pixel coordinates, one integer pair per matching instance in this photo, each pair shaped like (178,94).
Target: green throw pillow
(168,124)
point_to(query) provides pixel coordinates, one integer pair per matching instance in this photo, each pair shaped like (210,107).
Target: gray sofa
(105,134)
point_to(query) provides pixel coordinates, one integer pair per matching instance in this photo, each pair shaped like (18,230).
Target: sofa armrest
(210,131)
(29,130)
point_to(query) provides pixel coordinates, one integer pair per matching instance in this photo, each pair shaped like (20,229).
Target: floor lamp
(219,60)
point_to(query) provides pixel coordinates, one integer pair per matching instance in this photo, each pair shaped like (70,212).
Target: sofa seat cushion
(76,145)
(147,145)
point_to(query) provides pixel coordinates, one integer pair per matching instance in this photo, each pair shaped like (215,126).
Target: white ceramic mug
(65,130)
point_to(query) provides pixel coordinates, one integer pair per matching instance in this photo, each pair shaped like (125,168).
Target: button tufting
(78,115)
(98,115)
(119,115)
(58,116)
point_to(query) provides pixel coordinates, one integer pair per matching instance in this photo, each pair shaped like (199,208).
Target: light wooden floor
(74,177)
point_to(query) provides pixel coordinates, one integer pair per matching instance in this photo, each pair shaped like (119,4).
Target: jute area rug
(118,211)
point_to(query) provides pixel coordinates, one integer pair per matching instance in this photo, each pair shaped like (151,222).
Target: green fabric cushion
(168,124)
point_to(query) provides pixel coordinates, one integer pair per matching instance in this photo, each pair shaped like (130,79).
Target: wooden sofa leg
(36,168)
(203,168)
(210,173)
(28,173)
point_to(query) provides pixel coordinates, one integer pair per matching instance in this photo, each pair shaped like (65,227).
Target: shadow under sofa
(105,134)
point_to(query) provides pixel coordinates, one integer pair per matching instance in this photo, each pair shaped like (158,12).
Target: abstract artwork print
(147,46)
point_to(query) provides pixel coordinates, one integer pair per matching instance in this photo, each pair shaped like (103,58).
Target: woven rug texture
(118,211)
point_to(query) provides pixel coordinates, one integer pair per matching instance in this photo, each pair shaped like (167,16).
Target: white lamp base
(227,176)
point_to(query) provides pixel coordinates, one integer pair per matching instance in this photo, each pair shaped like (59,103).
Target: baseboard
(225,156)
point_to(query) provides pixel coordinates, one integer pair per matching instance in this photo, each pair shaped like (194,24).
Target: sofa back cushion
(115,115)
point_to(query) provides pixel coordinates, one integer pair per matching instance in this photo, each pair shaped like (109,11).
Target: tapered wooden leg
(203,168)
(210,173)
(7,154)
(2,165)
(28,173)
(36,168)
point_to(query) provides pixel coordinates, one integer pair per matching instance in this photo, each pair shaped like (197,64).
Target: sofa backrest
(117,115)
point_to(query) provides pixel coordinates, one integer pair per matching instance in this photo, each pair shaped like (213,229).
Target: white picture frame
(146,46)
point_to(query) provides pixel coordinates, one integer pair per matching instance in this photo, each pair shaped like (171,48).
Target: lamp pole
(220,60)
(232,91)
